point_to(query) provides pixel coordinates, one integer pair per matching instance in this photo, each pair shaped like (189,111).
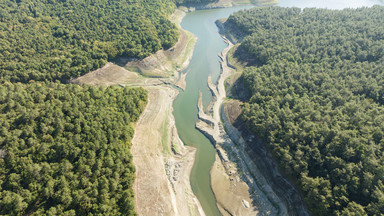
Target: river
(205,62)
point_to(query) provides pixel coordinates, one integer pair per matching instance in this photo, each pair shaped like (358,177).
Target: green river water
(206,62)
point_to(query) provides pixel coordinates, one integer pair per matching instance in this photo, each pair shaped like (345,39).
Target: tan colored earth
(162,184)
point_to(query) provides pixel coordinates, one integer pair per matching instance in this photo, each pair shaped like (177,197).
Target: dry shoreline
(163,163)
(231,3)
(162,185)
(233,185)
(258,161)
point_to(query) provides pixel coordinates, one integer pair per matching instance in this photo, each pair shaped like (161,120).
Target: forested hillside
(50,40)
(64,149)
(317,86)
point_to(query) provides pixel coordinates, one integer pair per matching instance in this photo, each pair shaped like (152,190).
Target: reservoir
(205,62)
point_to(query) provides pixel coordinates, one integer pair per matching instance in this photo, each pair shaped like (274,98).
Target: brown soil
(234,193)
(181,83)
(110,74)
(163,63)
(162,184)
(233,110)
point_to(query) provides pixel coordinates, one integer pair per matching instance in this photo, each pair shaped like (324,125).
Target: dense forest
(57,40)
(64,149)
(317,86)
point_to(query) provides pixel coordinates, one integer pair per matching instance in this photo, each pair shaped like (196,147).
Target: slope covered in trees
(318,100)
(64,149)
(50,40)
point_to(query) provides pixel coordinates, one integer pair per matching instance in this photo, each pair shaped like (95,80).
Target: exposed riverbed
(204,62)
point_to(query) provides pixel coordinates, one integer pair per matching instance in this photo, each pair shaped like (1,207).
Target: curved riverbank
(204,63)
(262,173)
(231,180)
(164,66)
(163,163)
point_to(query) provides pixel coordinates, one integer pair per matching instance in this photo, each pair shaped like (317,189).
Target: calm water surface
(205,62)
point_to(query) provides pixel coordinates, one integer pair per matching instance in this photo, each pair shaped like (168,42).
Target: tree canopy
(58,40)
(64,149)
(318,100)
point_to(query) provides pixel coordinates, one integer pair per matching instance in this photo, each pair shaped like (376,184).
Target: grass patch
(164,130)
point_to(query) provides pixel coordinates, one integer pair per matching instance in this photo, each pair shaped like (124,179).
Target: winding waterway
(205,62)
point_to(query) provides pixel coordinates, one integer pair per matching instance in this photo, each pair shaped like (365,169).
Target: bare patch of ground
(110,74)
(164,63)
(233,110)
(162,184)
(181,81)
(227,184)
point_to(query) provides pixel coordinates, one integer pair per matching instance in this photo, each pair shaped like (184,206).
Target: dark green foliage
(57,40)
(318,101)
(64,149)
